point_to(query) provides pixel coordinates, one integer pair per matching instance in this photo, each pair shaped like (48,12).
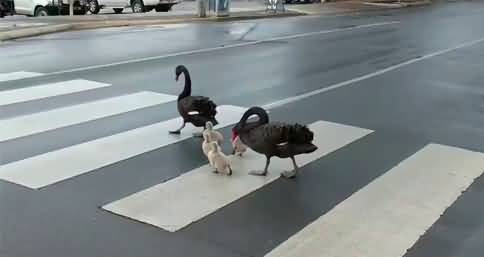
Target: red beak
(234,135)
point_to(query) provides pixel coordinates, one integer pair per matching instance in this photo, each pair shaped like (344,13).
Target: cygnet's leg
(291,173)
(215,170)
(261,173)
(178,130)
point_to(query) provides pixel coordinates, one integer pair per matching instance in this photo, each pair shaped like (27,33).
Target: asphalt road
(412,76)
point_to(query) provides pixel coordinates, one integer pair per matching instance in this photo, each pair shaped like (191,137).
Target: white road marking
(387,217)
(13,24)
(52,167)
(178,202)
(18,75)
(217,48)
(47,90)
(368,76)
(49,120)
(147,28)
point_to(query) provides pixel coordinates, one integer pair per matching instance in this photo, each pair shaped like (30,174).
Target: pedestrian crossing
(404,202)
(27,125)
(197,193)
(48,90)
(18,75)
(82,158)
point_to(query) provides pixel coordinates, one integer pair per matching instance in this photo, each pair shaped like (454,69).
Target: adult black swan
(274,139)
(197,110)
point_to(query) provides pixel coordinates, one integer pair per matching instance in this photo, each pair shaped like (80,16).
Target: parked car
(48,7)
(138,6)
(301,1)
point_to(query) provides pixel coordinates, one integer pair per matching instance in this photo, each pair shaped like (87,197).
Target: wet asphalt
(438,99)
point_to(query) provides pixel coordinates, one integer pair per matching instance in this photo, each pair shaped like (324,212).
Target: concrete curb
(35,31)
(400,5)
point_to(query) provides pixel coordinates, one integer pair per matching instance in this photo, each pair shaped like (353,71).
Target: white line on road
(146,28)
(49,120)
(190,197)
(367,76)
(18,75)
(386,217)
(52,167)
(48,90)
(217,48)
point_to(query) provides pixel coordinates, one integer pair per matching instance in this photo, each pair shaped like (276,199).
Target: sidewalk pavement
(13,27)
(353,6)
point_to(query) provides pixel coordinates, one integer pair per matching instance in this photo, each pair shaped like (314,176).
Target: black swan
(197,110)
(274,139)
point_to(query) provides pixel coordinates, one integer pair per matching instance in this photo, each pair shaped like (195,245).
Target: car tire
(82,11)
(40,11)
(138,6)
(93,6)
(118,10)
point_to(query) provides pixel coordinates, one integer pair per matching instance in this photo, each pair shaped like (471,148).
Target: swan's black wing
(198,110)
(204,106)
(281,139)
(280,133)
(264,138)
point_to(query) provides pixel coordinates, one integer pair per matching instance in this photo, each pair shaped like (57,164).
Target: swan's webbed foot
(177,132)
(261,173)
(291,173)
(215,171)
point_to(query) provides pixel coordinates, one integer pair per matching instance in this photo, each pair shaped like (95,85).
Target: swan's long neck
(187,90)
(261,114)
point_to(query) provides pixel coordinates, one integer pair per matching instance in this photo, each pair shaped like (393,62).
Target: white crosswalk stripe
(45,121)
(383,218)
(387,217)
(78,159)
(194,195)
(18,75)
(48,90)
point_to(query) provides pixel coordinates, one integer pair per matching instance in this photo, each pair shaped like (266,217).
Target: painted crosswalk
(48,90)
(386,217)
(383,218)
(194,195)
(49,120)
(79,159)
(18,75)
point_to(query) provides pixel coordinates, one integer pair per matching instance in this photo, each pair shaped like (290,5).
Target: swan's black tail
(212,112)
(299,134)
(206,108)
